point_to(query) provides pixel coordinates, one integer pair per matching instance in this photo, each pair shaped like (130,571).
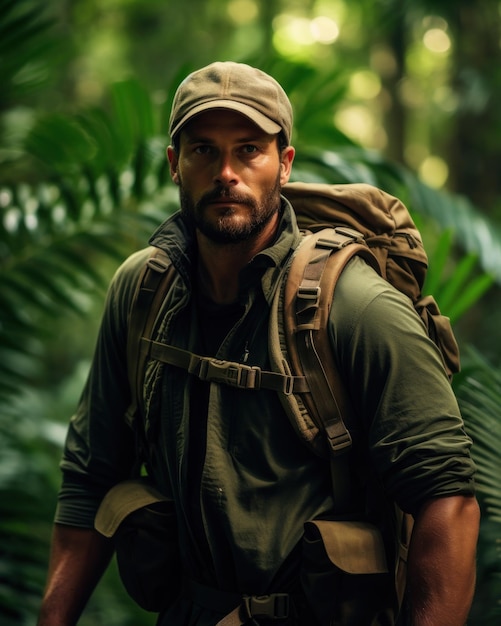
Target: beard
(226,229)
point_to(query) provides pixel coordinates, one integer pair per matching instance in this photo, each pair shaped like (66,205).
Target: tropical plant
(104,190)
(98,184)
(479,392)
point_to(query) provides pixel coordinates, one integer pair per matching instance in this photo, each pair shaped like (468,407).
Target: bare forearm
(78,559)
(442,561)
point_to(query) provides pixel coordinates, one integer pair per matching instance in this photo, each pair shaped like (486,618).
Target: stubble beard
(225,229)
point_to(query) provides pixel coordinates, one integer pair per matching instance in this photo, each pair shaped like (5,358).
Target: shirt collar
(178,241)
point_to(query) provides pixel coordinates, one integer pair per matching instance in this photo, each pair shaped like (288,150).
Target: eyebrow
(257,137)
(197,139)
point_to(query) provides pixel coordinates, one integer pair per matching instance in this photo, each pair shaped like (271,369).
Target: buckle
(229,373)
(353,234)
(343,237)
(338,436)
(273,606)
(309,293)
(158,265)
(288,388)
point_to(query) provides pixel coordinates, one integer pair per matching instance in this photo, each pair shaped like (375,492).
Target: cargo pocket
(344,574)
(142,524)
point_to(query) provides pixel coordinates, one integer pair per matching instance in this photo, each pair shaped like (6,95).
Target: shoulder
(377,333)
(124,282)
(128,273)
(131,268)
(364,297)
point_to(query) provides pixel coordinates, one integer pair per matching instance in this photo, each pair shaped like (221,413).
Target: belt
(241,608)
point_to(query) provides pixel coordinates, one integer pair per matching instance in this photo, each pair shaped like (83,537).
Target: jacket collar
(179,242)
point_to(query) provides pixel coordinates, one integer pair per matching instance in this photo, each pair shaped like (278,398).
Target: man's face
(230,173)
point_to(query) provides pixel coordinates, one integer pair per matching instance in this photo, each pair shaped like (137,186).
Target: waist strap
(240,608)
(213,599)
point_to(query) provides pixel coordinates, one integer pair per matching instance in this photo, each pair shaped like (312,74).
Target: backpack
(340,221)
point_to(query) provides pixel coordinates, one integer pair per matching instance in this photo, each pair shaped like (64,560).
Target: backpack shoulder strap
(298,329)
(299,337)
(324,413)
(153,284)
(307,309)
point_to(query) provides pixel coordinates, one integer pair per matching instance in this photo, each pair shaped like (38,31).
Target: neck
(218,277)
(219,265)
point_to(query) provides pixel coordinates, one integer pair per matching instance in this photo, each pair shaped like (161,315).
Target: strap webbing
(328,402)
(212,598)
(240,608)
(225,372)
(152,286)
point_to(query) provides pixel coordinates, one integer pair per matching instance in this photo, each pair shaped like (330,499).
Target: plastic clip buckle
(273,606)
(233,374)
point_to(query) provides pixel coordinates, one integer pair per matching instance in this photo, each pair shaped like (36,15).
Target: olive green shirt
(242,480)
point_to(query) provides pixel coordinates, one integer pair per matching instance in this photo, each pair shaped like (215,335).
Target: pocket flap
(354,547)
(122,500)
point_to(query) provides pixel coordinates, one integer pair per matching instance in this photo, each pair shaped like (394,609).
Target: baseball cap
(237,87)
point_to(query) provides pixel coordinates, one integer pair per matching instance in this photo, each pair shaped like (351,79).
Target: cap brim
(121,501)
(269,126)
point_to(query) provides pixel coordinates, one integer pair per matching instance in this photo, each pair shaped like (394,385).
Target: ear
(286,159)
(173,162)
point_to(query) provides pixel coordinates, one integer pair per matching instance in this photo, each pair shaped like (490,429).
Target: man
(242,483)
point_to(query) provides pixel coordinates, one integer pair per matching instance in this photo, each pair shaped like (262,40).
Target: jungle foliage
(84,181)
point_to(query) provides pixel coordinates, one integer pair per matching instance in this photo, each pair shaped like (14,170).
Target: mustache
(224,192)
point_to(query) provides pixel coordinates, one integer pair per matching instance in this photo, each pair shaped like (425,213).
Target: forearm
(441,574)
(78,559)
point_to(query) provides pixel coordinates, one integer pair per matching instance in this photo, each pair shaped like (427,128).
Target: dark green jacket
(243,482)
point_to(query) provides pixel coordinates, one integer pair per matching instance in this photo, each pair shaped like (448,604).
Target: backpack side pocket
(344,573)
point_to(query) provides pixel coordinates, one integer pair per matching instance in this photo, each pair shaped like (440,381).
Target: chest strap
(226,372)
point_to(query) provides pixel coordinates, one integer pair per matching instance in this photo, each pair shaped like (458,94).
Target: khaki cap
(237,87)
(121,501)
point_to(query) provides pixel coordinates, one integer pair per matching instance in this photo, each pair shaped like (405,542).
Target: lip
(224,201)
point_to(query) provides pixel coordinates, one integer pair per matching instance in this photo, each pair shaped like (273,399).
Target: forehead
(224,121)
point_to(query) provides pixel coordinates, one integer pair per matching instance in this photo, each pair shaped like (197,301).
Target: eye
(203,149)
(249,148)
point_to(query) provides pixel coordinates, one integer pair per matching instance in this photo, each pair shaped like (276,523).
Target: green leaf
(60,143)
(469,296)
(437,263)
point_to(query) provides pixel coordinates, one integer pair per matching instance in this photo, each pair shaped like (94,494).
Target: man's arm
(78,559)
(441,573)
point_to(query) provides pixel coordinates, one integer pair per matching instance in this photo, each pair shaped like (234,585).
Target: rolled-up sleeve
(400,391)
(99,447)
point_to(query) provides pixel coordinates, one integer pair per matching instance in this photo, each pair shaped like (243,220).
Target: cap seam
(226,84)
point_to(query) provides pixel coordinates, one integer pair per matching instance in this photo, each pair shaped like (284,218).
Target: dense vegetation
(402,95)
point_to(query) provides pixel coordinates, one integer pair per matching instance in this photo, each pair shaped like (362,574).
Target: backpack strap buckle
(158,264)
(338,436)
(273,606)
(308,292)
(339,237)
(229,373)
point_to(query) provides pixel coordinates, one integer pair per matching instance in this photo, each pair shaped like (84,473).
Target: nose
(225,173)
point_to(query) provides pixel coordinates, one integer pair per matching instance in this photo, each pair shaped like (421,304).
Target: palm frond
(479,392)
(102,190)
(27,47)
(104,194)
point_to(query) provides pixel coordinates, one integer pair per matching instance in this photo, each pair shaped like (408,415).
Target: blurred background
(405,95)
